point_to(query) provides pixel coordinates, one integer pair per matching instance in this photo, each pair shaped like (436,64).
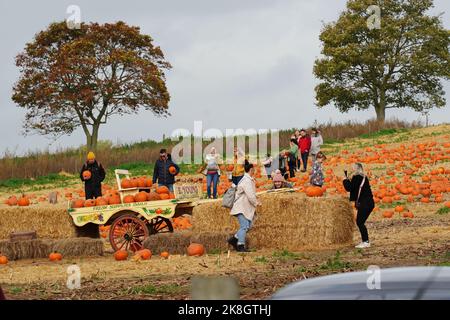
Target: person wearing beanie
(161,170)
(93,184)
(279,182)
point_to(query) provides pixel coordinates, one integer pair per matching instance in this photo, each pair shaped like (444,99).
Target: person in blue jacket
(161,171)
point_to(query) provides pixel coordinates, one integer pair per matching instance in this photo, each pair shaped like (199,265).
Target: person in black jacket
(161,171)
(361,193)
(93,185)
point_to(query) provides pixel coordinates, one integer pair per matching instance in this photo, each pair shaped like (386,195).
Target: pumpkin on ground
(164,254)
(23,201)
(3,259)
(145,254)
(388,214)
(196,249)
(12,201)
(55,256)
(121,255)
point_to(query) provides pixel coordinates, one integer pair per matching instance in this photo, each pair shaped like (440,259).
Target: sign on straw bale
(48,222)
(285,221)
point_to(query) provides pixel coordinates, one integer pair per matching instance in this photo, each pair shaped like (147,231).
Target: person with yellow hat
(92,174)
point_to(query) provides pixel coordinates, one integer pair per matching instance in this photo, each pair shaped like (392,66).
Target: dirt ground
(396,242)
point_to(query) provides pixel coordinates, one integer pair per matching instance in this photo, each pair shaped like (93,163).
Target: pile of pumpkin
(401,210)
(193,250)
(22,201)
(112,197)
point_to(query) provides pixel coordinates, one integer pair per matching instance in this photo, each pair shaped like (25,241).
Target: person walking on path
(304,144)
(94,178)
(361,194)
(212,172)
(317,177)
(244,207)
(316,142)
(162,171)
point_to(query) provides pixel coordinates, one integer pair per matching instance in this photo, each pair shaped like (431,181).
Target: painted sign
(187,191)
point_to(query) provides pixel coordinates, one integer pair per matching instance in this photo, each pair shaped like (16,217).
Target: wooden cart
(131,223)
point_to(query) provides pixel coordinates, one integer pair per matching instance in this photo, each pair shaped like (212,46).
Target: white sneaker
(363,245)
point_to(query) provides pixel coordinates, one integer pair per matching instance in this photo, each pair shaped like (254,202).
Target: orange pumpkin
(399,209)
(145,254)
(172,170)
(78,203)
(55,256)
(101,201)
(314,191)
(89,203)
(121,255)
(23,201)
(128,199)
(3,259)
(447,204)
(148,182)
(162,189)
(114,200)
(388,214)
(164,196)
(172,195)
(134,183)
(153,196)
(164,255)
(196,249)
(86,175)
(12,201)
(141,182)
(141,196)
(125,183)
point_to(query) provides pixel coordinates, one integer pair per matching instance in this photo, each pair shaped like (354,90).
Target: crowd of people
(302,146)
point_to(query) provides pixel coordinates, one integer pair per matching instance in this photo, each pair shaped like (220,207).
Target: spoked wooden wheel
(160,225)
(128,232)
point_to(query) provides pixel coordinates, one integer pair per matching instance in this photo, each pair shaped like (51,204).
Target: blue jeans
(169,186)
(236,179)
(212,179)
(244,226)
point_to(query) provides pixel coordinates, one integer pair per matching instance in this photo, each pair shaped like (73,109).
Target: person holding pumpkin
(361,194)
(92,174)
(165,170)
(244,207)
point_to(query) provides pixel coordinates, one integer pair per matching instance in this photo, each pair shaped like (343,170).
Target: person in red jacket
(304,145)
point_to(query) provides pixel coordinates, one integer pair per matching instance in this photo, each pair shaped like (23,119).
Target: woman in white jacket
(244,207)
(316,142)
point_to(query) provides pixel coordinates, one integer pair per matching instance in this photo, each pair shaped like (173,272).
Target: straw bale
(41,248)
(49,222)
(285,221)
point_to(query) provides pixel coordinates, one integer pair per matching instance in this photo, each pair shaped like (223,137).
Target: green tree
(401,64)
(73,78)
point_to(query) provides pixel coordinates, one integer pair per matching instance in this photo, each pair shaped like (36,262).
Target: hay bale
(212,241)
(174,243)
(41,248)
(49,222)
(285,221)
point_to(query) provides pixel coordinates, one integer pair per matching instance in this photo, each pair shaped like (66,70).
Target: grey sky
(236,64)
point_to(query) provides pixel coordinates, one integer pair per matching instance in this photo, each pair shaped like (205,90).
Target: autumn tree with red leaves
(72,78)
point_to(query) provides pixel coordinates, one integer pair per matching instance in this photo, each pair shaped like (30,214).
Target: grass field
(398,241)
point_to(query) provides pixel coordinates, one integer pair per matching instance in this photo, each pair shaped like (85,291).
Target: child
(317,173)
(279,182)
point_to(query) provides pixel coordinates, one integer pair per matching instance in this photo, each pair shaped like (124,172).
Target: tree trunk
(91,139)
(380,107)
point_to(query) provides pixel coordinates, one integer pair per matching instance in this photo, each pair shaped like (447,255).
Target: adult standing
(238,166)
(162,172)
(92,174)
(298,161)
(244,207)
(316,142)
(304,144)
(212,172)
(361,194)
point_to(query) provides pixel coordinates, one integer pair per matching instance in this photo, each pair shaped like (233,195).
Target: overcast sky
(236,64)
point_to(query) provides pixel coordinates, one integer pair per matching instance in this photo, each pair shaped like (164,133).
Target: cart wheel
(128,232)
(159,225)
